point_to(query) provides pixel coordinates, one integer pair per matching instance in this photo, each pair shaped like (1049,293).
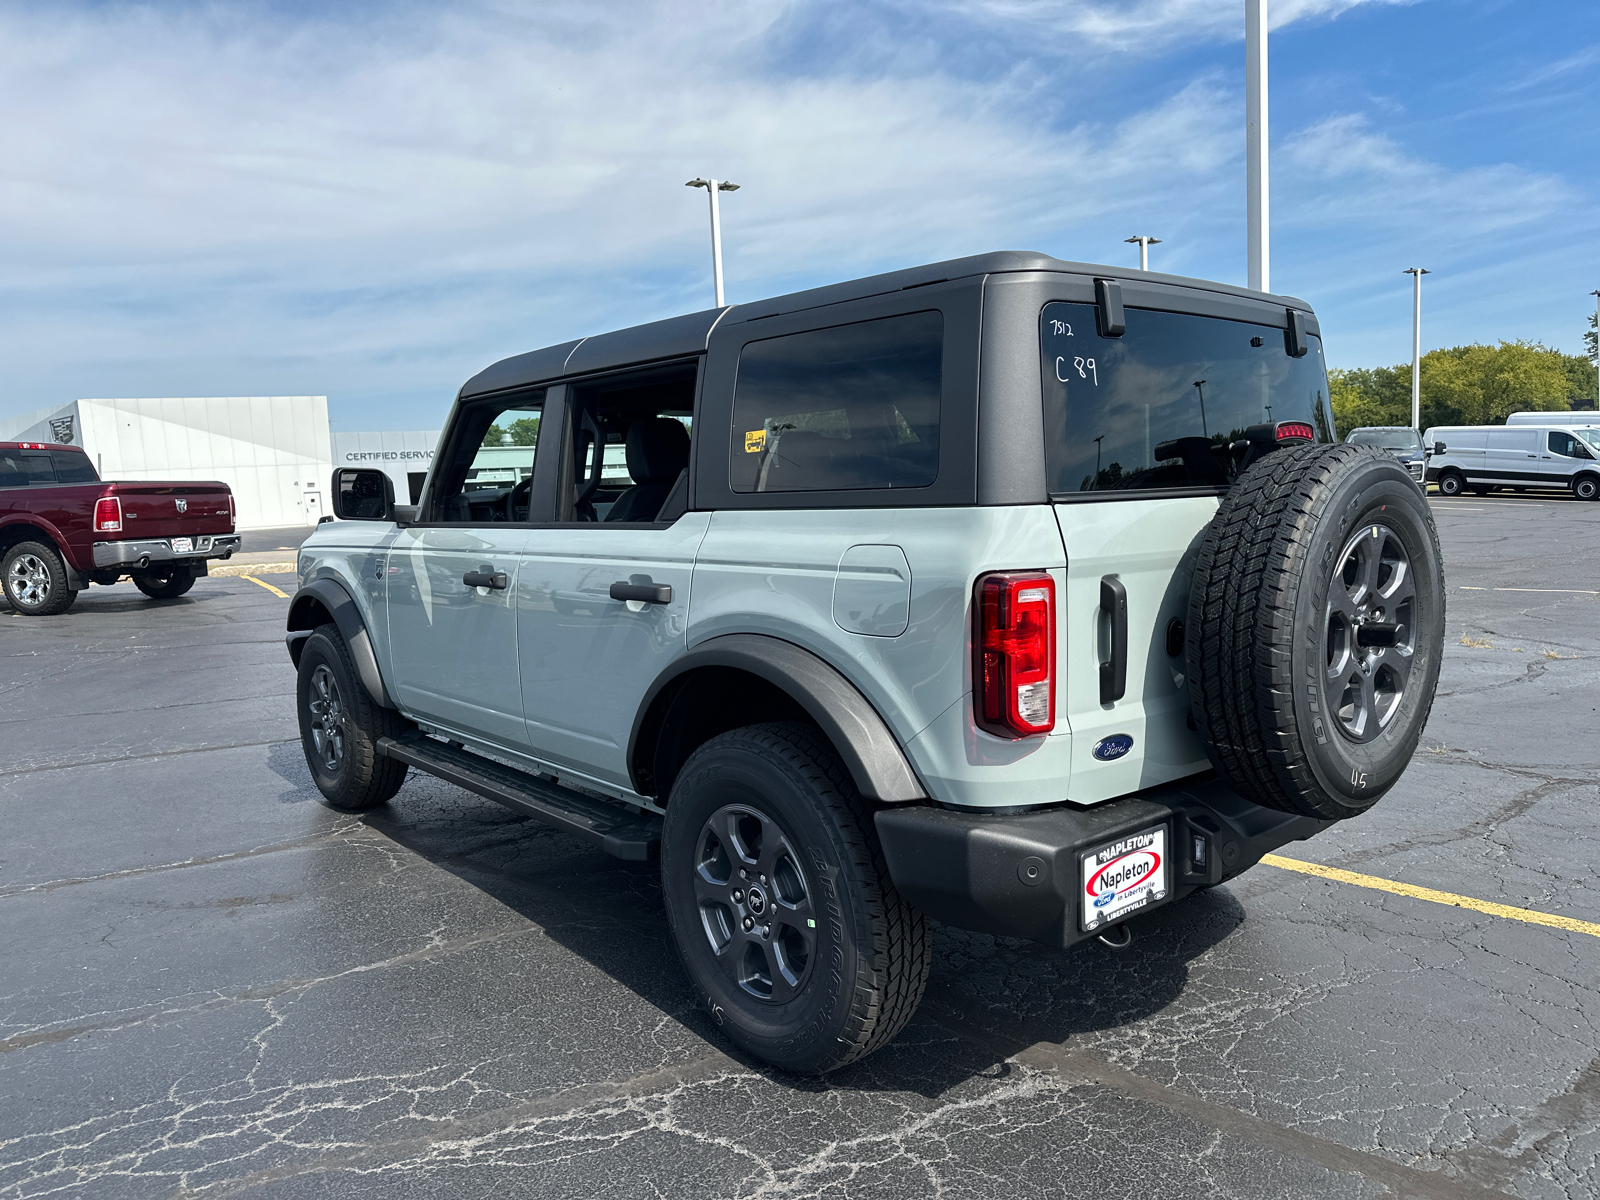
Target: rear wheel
(781,903)
(1317,629)
(1586,487)
(340,727)
(35,580)
(165,582)
(1479,489)
(1451,483)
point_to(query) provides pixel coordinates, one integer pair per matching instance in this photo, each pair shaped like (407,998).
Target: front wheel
(35,580)
(340,727)
(781,904)
(1451,484)
(1586,487)
(163,583)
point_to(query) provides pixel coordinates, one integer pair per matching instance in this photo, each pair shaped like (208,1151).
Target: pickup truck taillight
(108,515)
(233,516)
(1014,686)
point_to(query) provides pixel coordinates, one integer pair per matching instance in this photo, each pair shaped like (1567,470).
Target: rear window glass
(72,467)
(841,409)
(1157,407)
(18,468)
(1386,439)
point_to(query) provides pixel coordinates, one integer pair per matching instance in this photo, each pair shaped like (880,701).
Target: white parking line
(1557,591)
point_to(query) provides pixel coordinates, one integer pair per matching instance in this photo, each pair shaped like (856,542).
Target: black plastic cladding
(1003,434)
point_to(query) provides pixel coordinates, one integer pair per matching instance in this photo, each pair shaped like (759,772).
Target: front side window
(1157,407)
(488,472)
(842,409)
(1566,445)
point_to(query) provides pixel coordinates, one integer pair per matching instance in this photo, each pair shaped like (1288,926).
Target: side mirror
(362,494)
(1439,447)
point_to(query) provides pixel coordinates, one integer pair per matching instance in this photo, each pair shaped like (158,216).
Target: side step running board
(619,832)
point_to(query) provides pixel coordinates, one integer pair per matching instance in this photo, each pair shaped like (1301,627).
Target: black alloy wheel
(755,903)
(780,902)
(340,725)
(1369,635)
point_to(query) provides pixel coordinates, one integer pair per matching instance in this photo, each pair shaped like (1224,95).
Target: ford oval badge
(1115,746)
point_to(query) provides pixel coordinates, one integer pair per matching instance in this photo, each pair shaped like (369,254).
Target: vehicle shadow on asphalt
(988,998)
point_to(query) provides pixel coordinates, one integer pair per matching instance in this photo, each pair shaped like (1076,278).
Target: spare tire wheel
(1316,623)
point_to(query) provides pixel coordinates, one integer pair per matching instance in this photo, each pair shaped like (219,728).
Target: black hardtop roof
(678,337)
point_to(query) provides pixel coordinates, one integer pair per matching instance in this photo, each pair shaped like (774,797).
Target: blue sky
(265,199)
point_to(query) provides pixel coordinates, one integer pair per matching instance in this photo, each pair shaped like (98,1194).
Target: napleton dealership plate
(1124,876)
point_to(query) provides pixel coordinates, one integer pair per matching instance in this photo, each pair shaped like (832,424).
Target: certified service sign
(1123,876)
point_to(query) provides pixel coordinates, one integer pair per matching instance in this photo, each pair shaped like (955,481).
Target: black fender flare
(863,740)
(335,597)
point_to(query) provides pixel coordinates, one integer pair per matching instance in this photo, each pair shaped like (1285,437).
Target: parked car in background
(1586,420)
(1485,457)
(62,528)
(1400,441)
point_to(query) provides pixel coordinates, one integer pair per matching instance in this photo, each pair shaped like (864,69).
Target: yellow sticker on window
(755,441)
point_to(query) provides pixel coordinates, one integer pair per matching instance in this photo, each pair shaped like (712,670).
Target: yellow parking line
(1421,893)
(268,586)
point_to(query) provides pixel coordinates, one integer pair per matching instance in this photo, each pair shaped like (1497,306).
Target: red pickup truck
(63,528)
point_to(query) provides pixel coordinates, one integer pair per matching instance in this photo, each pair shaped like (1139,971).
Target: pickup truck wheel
(35,580)
(340,727)
(781,903)
(163,583)
(1317,607)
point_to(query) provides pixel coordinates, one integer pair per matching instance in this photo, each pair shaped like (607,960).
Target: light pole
(713,186)
(1416,274)
(1255,138)
(1596,295)
(1144,249)
(1200,386)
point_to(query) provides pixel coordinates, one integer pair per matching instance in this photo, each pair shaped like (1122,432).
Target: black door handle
(488,579)
(650,593)
(1114,674)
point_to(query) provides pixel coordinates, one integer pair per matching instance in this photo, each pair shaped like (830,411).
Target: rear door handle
(650,593)
(1114,673)
(488,579)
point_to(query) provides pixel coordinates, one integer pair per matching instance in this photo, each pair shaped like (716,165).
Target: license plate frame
(1101,901)
(183,545)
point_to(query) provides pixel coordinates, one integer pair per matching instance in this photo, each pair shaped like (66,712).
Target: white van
(1522,456)
(1586,420)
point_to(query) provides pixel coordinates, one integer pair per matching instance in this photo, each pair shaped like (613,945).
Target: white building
(273,451)
(404,456)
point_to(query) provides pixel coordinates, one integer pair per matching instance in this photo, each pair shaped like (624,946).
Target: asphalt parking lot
(212,985)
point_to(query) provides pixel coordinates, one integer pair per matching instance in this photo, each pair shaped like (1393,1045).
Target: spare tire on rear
(1316,627)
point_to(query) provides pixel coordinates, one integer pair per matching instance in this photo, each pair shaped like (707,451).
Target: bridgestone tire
(1451,484)
(35,580)
(1271,652)
(777,794)
(355,777)
(163,583)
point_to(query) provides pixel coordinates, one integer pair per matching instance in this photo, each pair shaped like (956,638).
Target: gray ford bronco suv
(1019,594)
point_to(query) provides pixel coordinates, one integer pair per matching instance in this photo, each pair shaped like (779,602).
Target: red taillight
(1014,686)
(108,515)
(1295,431)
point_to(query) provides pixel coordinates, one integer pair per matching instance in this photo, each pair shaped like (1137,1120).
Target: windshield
(1157,407)
(1386,439)
(1592,436)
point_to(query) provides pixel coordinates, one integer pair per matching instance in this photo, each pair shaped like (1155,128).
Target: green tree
(524,432)
(1370,396)
(1589,339)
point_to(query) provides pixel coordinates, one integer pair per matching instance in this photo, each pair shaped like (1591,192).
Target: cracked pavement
(211,985)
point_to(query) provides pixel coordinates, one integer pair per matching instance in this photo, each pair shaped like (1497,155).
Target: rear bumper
(1019,875)
(154,550)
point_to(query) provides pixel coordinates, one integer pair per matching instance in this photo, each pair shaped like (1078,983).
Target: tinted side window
(72,467)
(36,467)
(841,409)
(11,472)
